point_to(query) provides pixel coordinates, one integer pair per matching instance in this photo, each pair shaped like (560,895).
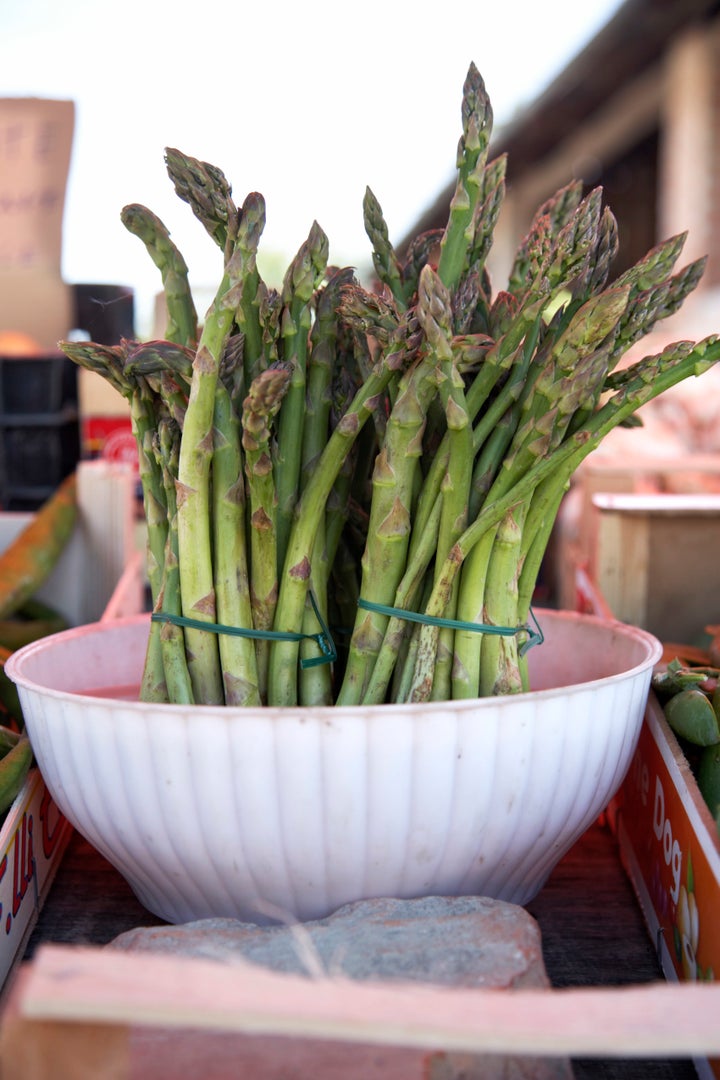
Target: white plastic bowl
(290,813)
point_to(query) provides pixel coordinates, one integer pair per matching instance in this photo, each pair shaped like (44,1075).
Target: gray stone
(456,941)
(452,941)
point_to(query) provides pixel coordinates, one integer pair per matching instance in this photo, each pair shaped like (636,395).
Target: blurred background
(307,104)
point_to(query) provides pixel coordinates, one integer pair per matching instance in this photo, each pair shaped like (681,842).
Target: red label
(111,438)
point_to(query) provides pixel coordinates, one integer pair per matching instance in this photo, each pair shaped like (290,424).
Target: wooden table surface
(592,928)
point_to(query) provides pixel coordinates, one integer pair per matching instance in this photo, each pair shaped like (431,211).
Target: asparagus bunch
(385,467)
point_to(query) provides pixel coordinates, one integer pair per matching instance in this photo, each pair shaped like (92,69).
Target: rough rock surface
(463,941)
(456,941)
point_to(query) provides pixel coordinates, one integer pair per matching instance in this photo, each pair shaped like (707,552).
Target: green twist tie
(323,638)
(534,636)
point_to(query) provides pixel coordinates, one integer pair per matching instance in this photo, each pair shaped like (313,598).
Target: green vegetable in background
(691,715)
(708,777)
(10,706)
(690,698)
(30,558)
(14,767)
(322,447)
(33,620)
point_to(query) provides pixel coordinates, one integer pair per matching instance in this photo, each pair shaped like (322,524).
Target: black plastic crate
(37,384)
(35,456)
(105,312)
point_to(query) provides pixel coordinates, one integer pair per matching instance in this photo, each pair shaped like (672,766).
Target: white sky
(306,103)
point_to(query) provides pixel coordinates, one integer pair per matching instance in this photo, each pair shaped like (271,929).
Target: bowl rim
(15,663)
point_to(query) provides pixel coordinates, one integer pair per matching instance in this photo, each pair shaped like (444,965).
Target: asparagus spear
(385,260)
(477,121)
(316,679)
(252,289)
(296,568)
(240,677)
(172,640)
(500,399)
(261,405)
(434,315)
(206,190)
(182,324)
(389,525)
(144,422)
(194,502)
(652,376)
(301,280)
(425,248)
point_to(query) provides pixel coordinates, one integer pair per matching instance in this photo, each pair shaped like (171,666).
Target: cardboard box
(33,839)
(35,150)
(669,844)
(99,575)
(670,847)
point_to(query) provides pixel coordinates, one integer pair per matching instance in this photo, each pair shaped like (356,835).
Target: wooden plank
(35,1051)
(86,985)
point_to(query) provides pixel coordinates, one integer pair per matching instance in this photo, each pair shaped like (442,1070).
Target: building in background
(637,112)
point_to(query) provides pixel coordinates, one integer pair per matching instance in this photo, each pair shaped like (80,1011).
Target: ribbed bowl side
(290,813)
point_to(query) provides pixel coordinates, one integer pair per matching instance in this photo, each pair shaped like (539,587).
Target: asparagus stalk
(194,496)
(172,638)
(388,531)
(424,249)
(301,280)
(208,193)
(477,121)
(316,679)
(296,568)
(543,417)
(481,409)
(230,570)
(252,289)
(387,265)
(651,377)
(260,407)
(434,314)
(182,325)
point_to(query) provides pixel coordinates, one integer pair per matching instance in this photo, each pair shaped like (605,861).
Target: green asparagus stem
(435,318)
(385,260)
(230,570)
(482,404)
(653,375)
(154,687)
(260,407)
(397,630)
(301,280)
(424,249)
(316,680)
(182,325)
(252,288)
(296,570)
(172,638)
(388,533)
(209,195)
(477,121)
(194,502)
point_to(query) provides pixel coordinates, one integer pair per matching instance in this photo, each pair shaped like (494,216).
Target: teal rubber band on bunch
(535,635)
(323,638)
